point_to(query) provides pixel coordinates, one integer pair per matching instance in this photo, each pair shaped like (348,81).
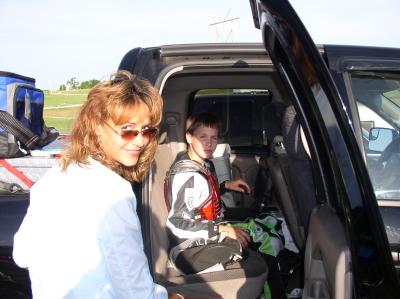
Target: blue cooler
(20,98)
(24,102)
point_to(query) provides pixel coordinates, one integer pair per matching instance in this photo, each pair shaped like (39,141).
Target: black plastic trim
(213,49)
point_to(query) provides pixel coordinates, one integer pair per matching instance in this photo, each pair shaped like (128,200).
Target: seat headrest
(273,113)
(222,149)
(291,133)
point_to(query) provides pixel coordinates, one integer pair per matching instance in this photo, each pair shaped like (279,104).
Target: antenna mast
(230,34)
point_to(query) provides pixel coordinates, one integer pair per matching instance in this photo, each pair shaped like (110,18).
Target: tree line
(74,84)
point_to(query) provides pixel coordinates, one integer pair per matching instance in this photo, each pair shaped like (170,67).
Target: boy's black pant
(199,258)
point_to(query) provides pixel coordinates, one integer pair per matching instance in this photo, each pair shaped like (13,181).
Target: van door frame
(334,149)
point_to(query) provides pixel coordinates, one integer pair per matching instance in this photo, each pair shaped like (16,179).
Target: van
(333,165)
(314,128)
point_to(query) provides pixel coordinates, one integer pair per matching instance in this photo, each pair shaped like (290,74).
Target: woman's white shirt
(81,237)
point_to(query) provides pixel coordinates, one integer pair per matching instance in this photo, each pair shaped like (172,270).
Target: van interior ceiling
(180,89)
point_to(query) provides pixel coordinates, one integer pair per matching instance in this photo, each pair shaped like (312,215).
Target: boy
(201,238)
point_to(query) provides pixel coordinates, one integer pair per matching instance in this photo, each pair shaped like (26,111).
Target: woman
(81,236)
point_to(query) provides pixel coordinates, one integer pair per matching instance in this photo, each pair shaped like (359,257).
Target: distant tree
(88,84)
(94,82)
(72,83)
(62,87)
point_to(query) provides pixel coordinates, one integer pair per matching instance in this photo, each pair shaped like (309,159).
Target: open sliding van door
(347,253)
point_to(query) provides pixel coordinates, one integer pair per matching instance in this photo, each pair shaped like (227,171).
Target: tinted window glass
(378,102)
(244,115)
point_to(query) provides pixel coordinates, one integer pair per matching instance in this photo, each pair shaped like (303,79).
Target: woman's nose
(139,140)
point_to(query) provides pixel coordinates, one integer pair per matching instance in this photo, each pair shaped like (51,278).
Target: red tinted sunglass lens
(128,135)
(149,133)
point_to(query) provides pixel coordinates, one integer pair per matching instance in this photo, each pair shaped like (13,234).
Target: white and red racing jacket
(193,197)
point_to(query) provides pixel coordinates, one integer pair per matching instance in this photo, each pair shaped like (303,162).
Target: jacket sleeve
(121,244)
(22,242)
(25,240)
(189,192)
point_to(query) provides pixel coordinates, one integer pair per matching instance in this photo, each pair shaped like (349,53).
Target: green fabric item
(258,235)
(266,233)
(267,291)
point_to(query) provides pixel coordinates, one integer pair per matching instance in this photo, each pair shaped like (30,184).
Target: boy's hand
(236,233)
(239,185)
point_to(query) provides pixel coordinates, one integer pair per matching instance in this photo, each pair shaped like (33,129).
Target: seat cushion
(244,279)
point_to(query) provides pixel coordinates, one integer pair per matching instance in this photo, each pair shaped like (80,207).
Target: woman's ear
(188,138)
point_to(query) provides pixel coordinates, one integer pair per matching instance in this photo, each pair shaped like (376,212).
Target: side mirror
(379,138)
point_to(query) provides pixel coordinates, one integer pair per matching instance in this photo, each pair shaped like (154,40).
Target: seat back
(291,174)
(222,163)
(164,157)
(273,114)
(223,169)
(278,163)
(300,176)
(242,280)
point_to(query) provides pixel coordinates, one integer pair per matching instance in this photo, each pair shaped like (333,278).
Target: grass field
(60,109)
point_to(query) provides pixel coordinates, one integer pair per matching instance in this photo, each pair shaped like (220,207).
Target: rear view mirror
(379,138)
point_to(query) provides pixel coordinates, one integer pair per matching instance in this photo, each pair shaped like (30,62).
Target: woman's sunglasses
(129,135)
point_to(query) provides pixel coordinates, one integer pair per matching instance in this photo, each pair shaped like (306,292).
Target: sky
(55,40)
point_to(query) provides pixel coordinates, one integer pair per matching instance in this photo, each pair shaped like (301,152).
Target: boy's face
(202,143)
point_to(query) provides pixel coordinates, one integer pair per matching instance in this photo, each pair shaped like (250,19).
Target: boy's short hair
(205,119)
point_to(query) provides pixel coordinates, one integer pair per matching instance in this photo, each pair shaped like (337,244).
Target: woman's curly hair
(116,99)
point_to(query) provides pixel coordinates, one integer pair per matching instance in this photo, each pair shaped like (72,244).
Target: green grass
(61,109)
(55,100)
(75,91)
(62,118)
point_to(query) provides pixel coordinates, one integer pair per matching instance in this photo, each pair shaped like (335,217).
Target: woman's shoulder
(90,173)
(85,183)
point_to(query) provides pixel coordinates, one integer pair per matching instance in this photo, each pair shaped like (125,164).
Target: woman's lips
(133,153)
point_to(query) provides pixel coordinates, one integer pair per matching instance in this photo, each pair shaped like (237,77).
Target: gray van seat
(300,173)
(327,258)
(222,164)
(240,280)
(278,166)
(291,174)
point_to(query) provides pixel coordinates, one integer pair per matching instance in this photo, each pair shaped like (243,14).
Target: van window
(378,103)
(245,115)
